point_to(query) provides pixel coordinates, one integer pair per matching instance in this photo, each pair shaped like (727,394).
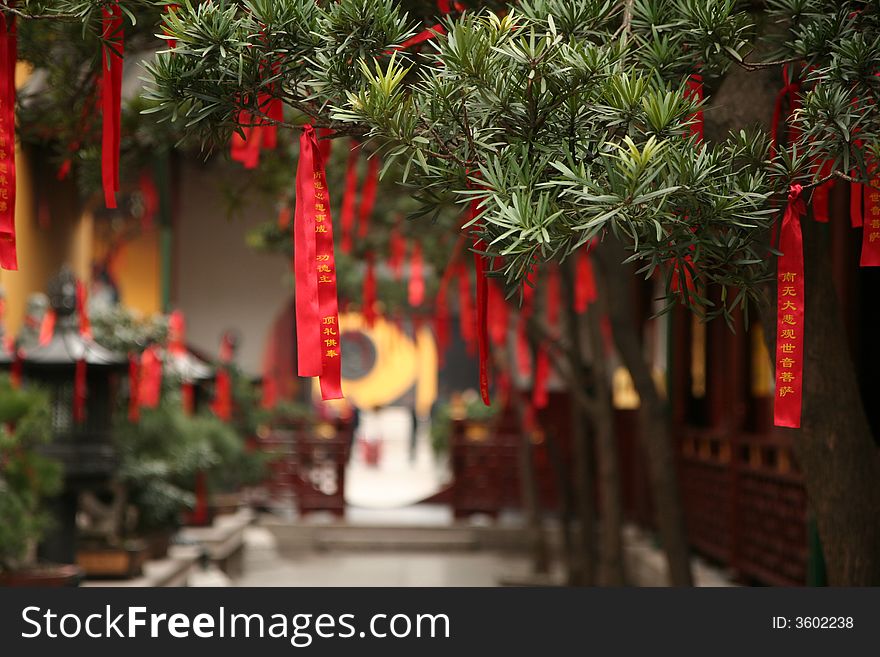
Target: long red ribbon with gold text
(8,57)
(790,315)
(317,309)
(111,100)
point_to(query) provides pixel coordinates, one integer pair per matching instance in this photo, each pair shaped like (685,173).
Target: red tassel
(246,149)
(397,247)
(349,198)
(47,327)
(80,388)
(85,327)
(222,404)
(368,196)
(317,310)
(421,37)
(150,379)
(482,310)
(498,315)
(284,216)
(176,333)
(111,100)
(416,288)
(172,43)
(369,293)
(790,302)
(695,90)
(8,59)
(585,282)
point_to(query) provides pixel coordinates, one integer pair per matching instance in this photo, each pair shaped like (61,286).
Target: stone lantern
(84,446)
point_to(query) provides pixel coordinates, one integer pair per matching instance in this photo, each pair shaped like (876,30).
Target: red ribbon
(85,327)
(169,9)
(150,379)
(397,247)
(8,58)
(222,403)
(421,37)
(585,282)
(369,293)
(47,327)
(695,90)
(177,333)
(482,310)
(111,99)
(368,197)
(790,327)
(871,231)
(134,376)
(416,287)
(349,198)
(317,309)
(246,148)
(498,315)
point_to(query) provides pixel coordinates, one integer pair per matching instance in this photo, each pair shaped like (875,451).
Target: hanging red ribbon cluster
(111,98)
(317,312)
(790,301)
(8,59)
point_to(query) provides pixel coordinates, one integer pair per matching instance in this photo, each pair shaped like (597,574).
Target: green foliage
(469,407)
(120,329)
(565,120)
(26,477)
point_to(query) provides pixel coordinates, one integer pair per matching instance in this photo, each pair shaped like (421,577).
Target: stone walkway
(264,566)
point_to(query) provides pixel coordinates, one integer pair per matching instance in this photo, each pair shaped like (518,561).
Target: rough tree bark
(655,436)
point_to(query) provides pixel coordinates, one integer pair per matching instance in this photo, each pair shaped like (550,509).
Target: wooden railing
(745,505)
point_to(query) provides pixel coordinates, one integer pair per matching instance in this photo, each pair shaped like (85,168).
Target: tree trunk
(572,558)
(610,571)
(835,447)
(532,507)
(655,436)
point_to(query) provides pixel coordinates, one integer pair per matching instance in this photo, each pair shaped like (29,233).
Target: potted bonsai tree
(27,479)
